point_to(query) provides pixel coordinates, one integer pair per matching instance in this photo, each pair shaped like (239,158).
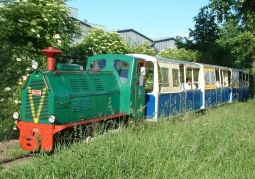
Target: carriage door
(139,91)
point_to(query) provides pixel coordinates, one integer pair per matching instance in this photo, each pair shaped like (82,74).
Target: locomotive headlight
(51,119)
(15,115)
(34,64)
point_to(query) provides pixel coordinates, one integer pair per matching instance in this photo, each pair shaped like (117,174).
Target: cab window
(122,69)
(98,64)
(149,77)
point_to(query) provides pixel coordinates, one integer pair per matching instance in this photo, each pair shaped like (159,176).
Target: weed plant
(217,143)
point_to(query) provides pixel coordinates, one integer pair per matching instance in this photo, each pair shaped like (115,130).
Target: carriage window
(224,78)
(122,68)
(181,74)
(98,64)
(207,78)
(246,80)
(196,77)
(241,78)
(217,76)
(165,80)
(175,75)
(149,77)
(235,80)
(212,77)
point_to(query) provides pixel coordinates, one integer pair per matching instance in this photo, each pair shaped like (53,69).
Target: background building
(130,35)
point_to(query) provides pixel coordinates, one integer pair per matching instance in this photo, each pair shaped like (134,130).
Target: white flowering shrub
(99,41)
(180,54)
(144,48)
(26,27)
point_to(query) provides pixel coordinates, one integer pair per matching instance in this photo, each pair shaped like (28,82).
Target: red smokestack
(51,54)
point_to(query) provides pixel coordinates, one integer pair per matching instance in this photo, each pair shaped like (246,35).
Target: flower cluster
(144,48)
(99,41)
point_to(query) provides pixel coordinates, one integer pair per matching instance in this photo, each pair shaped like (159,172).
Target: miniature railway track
(6,163)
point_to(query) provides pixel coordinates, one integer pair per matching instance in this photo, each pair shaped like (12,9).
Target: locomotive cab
(130,74)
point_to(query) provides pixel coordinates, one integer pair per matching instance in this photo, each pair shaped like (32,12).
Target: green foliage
(226,44)
(180,54)
(144,48)
(99,41)
(217,144)
(241,11)
(26,27)
(206,32)
(237,34)
(202,39)
(239,41)
(40,22)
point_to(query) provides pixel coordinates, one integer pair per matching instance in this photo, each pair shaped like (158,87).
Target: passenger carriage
(222,85)
(239,82)
(215,86)
(165,90)
(211,86)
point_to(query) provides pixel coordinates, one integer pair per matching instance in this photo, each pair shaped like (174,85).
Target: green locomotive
(65,95)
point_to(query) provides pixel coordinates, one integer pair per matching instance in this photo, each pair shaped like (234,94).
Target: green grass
(217,144)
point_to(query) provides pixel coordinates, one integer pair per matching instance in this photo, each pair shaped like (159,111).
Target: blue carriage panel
(241,93)
(234,94)
(189,103)
(175,103)
(246,92)
(219,94)
(214,97)
(230,94)
(164,105)
(197,100)
(182,102)
(150,106)
(225,94)
(208,99)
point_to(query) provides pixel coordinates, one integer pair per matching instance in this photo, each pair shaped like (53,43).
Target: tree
(241,11)
(180,54)
(203,39)
(204,35)
(144,48)
(240,42)
(26,27)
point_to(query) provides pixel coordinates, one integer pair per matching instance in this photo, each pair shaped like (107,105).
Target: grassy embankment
(218,144)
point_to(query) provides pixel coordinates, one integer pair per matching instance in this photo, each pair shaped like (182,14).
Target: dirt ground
(10,150)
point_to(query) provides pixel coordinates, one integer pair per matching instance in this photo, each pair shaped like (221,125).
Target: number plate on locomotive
(36,92)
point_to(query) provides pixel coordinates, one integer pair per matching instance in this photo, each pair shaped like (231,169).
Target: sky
(152,18)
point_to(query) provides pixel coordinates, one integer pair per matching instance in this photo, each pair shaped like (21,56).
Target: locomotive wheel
(110,125)
(88,131)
